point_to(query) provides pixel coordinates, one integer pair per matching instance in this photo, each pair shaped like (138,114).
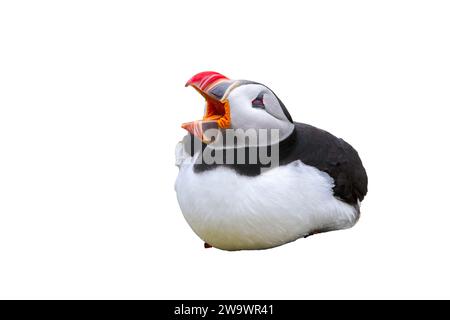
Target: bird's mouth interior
(216,110)
(216,116)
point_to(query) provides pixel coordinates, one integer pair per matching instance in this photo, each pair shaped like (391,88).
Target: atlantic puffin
(316,186)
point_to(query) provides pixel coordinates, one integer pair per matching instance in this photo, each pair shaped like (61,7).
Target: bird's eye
(258,102)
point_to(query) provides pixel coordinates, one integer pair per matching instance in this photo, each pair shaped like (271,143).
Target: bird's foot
(207,245)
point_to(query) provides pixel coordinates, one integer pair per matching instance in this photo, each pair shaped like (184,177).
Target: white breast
(233,212)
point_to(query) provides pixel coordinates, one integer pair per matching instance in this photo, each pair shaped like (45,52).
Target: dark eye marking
(258,102)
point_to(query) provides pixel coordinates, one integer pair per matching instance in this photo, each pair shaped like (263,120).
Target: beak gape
(217,113)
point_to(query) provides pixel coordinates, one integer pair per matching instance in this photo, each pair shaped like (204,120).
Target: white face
(254,106)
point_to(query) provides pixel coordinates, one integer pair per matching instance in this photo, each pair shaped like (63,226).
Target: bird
(315,185)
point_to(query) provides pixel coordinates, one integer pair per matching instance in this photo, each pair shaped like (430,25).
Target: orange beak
(217,112)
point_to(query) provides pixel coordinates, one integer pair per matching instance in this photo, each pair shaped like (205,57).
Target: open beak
(217,111)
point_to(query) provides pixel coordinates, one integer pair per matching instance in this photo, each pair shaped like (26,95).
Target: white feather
(233,212)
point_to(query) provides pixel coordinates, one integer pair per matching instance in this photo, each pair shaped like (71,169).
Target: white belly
(233,212)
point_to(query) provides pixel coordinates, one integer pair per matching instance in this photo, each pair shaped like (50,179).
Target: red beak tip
(204,79)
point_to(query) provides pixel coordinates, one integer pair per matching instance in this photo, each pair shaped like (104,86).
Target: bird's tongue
(202,129)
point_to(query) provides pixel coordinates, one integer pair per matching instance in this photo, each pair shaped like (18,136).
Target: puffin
(292,181)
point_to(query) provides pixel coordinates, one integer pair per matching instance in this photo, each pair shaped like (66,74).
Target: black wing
(319,148)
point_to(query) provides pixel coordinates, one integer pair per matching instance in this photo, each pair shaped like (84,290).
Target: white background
(91,101)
